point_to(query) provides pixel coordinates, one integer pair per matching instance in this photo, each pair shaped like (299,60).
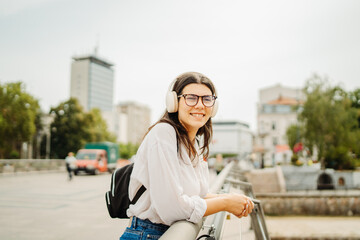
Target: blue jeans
(143,229)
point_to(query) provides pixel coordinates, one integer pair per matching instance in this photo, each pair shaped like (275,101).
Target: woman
(170,164)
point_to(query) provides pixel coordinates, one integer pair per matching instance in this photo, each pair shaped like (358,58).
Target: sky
(242,46)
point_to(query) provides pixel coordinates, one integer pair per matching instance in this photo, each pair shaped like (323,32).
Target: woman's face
(193,118)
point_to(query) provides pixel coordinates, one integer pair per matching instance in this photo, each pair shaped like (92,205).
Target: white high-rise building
(92,82)
(276,112)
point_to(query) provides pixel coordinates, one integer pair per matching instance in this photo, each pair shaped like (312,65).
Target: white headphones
(172,103)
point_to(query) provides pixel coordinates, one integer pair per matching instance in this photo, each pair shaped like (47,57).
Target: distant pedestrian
(70,164)
(219,164)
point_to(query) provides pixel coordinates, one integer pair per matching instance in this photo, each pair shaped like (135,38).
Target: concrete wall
(28,165)
(306,178)
(322,203)
(351,179)
(268,180)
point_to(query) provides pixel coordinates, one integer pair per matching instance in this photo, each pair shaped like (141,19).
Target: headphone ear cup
(215,109)
(171,102)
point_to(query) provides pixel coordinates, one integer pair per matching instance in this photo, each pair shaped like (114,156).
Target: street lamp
(48,119)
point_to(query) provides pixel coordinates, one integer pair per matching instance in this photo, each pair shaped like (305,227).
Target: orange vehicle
(91,161)
(97,157)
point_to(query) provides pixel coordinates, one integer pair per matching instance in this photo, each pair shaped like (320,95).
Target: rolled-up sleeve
(166,191)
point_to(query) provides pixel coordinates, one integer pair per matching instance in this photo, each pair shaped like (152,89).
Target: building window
(262,127)
(275,141)
(273,125)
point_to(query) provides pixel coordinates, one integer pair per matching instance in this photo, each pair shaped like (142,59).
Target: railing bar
(190,230)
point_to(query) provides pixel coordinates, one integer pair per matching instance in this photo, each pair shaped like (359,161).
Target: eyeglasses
(191,100)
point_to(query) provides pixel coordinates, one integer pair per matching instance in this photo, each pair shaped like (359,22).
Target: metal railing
(217,223)
(230,176)
(190,230)
(257,215)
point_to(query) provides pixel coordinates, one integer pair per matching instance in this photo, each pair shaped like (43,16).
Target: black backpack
(117,199)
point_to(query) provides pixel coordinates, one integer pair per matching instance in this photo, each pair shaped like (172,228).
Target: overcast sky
(242,46)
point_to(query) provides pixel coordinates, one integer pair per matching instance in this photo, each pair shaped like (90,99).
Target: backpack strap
(138,194)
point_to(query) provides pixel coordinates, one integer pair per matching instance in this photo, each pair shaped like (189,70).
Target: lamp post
(48,119)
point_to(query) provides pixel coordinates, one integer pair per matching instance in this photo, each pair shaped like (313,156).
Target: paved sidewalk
(313,227)
(49,207)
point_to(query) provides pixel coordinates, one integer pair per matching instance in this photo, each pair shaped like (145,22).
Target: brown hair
(172,118)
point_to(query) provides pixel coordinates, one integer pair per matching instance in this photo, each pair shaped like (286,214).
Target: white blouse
(175,187)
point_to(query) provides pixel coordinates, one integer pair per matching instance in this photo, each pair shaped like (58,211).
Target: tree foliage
(19,115)
(355,102)
(128,150)
(330,123)
(293,135)
(99,129)
(72,128)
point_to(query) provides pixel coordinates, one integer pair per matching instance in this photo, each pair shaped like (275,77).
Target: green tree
(18,118)
(293,135)
(99,130)
(127,150)
(69,129)
(355,104)
(328,121)
(72,128)
(355,98)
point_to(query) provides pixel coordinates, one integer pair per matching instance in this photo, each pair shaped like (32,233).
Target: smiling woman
(170,164)
(194,115)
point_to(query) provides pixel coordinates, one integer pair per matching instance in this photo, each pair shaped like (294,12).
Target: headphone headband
(172,85)
(174,81)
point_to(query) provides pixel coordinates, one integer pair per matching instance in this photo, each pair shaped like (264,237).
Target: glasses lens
(191,99)
(208,101)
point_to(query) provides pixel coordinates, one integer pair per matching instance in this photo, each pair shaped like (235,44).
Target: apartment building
(276,111)
(132,121)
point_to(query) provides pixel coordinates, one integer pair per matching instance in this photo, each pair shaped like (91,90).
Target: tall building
(132,121)
(275,113)
(92,82)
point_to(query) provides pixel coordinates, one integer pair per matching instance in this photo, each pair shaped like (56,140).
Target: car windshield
(90,156)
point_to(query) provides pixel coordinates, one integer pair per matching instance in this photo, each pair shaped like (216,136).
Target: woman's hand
(238,204)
